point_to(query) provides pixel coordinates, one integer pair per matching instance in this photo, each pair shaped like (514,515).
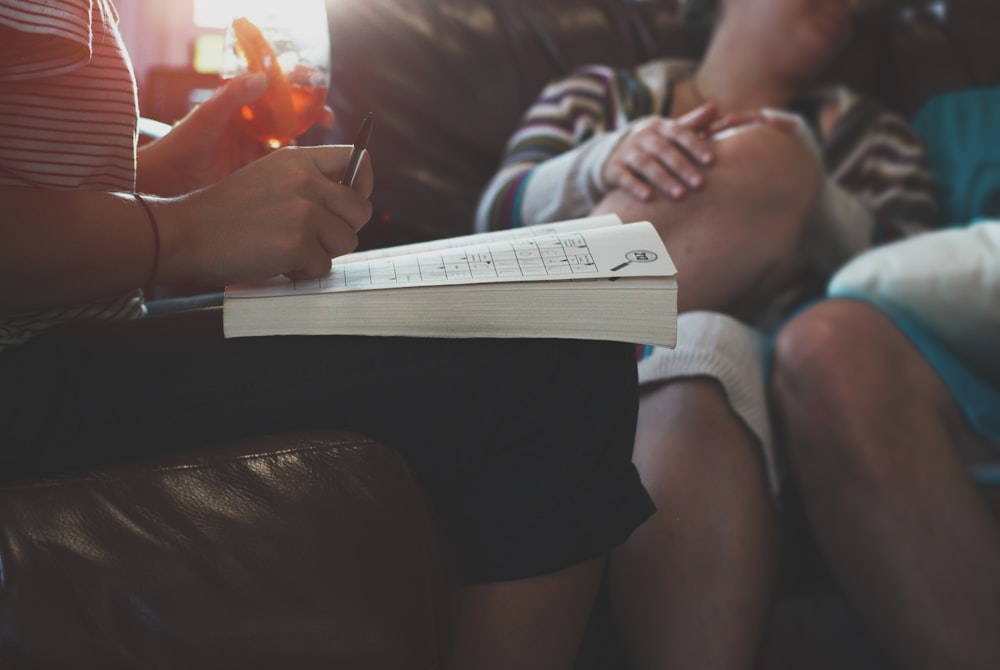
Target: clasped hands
(670,156)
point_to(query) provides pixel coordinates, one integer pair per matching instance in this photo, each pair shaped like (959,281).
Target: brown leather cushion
(309,550)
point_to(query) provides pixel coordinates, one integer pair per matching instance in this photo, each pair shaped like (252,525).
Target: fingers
(700,118)
(329,230)
(670,156)
(730,121)
(320,266)
(288,216)
(327,119)
(336,233)
(663,155)
(694,144)
(332,161)
(338,237)
(237,92)
(346,210)
(347,205)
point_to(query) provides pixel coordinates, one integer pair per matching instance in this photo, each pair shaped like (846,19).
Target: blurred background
(176,49)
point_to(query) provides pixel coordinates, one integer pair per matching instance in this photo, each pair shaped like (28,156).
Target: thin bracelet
(156,237)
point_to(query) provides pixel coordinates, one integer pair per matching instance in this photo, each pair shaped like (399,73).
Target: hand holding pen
(286,213)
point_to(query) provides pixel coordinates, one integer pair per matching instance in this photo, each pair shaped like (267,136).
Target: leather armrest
(306,550)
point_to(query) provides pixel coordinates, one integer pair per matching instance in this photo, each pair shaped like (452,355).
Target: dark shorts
(523,446)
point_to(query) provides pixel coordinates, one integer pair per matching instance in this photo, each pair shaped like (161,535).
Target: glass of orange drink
(289,40)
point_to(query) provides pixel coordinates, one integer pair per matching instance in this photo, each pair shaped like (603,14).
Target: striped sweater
(552,166)
(68,115)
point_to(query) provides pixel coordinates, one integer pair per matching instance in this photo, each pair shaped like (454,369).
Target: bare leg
(691,586)
(738,239)
(525,624)
(877,444)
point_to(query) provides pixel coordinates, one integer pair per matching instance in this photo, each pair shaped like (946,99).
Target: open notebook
(590,278)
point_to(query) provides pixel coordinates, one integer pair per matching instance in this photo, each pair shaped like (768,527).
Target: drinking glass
(289,40)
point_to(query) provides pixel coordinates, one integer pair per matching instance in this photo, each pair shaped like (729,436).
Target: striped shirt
(871,153)
(68,116)
(878,185)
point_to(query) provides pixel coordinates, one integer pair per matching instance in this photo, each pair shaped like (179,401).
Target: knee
(772,171)
(687,427)
(835,387)
(762,176)
(822,355)
(697,401)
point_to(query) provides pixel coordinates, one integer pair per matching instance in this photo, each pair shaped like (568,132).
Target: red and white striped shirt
(68,115)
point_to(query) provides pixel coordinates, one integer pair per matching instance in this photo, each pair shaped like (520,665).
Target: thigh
(151,384)
(523,445)
(868,357)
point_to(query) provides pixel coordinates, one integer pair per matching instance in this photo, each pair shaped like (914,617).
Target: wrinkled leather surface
(303,551)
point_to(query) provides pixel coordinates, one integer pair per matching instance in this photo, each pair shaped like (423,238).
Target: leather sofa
(318,549)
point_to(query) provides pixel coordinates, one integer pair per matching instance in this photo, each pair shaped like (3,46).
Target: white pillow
(947,281)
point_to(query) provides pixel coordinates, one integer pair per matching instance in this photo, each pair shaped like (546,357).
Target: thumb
(237,92)
(700,118)
(330,159)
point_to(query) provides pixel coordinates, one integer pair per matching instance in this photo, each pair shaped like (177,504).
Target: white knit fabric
(722,348)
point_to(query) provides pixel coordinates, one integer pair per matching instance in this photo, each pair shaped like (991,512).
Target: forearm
(204,147)
(498,208)
(67,247)
(564,186)
(280,215)
(153,171)
(560,122)
(570,185)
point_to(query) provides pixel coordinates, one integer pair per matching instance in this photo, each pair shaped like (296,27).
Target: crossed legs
(879,451)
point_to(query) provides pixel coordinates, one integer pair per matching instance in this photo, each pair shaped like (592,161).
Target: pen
(360,144)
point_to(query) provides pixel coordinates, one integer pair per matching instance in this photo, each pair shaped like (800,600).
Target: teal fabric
(979,400)
(961,132)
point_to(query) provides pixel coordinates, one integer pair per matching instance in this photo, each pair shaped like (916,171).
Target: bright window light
(214,13)
(208,53)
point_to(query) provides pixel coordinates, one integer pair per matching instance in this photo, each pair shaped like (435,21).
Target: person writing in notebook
(487,426)
(761,183)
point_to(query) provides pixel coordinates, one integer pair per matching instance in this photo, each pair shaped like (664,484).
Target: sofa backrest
(448,80)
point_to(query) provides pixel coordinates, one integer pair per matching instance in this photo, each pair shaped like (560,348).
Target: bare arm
(66,247)
(205,145)
(283,214)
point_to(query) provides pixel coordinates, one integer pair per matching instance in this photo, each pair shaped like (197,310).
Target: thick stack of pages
(594,278)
